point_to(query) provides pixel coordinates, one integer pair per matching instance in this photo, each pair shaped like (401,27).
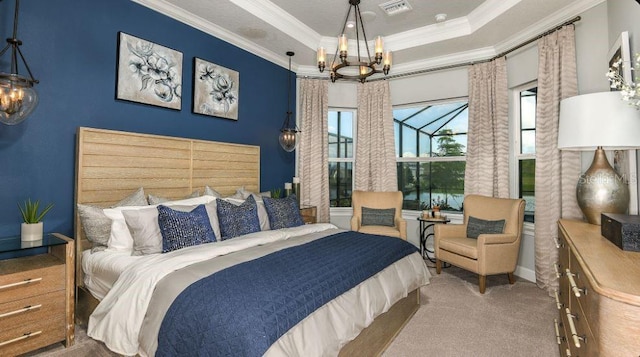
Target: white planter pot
(31,231)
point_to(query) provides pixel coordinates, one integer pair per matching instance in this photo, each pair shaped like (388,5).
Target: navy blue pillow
(237,220)
(283,212)
(184,229)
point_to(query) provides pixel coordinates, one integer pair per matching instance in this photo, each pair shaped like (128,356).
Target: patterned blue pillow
(184,229)
(283,212)
(237,220)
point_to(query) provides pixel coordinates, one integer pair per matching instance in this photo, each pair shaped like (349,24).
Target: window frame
(516,149)
(430,159)
(352,160)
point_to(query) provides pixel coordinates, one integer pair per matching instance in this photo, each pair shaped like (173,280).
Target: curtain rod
(470,63)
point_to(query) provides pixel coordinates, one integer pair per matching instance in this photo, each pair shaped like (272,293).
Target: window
(431,140)
(525,151)
(341,129)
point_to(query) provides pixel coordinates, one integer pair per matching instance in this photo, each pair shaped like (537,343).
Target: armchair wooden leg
(482,282)
(438,266)
(512,279)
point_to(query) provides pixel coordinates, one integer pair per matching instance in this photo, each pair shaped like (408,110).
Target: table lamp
(597,121)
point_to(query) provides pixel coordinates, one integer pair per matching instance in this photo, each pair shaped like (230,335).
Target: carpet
(454,319)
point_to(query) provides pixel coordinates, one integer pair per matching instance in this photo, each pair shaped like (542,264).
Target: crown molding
(547,23)
(203,25)
(488,11)
(280,19)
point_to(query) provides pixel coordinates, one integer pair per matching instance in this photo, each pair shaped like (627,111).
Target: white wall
(591,51)
(623,15)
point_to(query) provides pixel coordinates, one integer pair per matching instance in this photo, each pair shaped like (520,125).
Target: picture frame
(625,161)
(216,90)
(148,73)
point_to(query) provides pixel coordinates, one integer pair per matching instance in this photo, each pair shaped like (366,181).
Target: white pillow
(263,217)
(120,238)
(145,230)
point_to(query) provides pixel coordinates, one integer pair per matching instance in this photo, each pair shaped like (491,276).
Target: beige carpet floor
(454,320)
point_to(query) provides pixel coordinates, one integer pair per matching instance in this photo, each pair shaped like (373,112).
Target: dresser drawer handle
(24,282)
(558,338)
(23,337)
(558,303)
(568,352)
(572,327)
(24,309)
(576,290)
(555,267)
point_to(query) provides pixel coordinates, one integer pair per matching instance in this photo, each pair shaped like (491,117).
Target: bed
(112,164)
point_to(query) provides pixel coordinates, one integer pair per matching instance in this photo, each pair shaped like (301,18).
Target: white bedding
(102,269)
(118,318)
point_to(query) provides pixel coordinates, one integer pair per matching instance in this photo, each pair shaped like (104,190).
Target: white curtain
(313,147)
(487,167)
(375,162)
(557,172)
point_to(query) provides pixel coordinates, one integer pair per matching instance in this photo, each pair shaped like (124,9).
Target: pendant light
(289,131)
(18,98)
(362,67)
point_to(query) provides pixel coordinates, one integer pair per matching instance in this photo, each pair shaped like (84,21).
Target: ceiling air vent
(395,7)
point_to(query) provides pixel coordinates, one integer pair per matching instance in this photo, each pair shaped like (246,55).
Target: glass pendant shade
(288,139)
(18,98)
(289,131)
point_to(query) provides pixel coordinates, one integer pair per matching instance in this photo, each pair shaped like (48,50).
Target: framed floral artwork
(215,90)
(148,73)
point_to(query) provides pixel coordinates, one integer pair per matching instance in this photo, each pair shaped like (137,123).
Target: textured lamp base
(600,189)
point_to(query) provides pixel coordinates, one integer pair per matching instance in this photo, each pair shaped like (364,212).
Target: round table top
(434,219)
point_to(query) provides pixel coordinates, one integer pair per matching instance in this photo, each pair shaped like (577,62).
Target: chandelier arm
(25,66)
(356,15)
(364,35)
(5,49)
(344,26)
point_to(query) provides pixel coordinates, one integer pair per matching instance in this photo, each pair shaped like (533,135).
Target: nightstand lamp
(597,121)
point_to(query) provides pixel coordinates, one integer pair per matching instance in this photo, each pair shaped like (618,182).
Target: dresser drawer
(587,343)
(30,336)
(41,308)
(21,284)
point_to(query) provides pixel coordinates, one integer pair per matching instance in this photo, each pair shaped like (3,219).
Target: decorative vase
(31,231)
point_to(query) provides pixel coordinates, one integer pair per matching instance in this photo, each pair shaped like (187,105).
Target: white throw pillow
(120,238)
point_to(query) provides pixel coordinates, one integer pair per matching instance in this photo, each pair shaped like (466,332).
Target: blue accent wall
(71,47)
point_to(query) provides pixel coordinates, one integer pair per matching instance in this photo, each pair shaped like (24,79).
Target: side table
(37,294)
(425,224)
(309,214)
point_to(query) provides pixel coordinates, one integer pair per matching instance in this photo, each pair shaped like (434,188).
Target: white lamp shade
(598,119)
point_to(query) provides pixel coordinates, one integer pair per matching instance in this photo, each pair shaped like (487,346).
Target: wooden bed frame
(110,165)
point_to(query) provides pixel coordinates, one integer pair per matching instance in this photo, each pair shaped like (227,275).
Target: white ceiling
(474,29)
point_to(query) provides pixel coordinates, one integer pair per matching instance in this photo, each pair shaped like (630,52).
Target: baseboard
(525,273)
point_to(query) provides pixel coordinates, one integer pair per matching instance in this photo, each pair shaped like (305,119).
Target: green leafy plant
(275,192)
(31,211)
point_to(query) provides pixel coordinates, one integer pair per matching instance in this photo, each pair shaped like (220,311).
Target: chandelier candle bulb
(343,45)
(322,58)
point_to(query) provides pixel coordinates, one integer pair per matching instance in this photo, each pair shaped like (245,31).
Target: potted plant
(32,226)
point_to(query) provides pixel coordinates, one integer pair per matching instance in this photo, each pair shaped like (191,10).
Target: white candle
(287,185)
(296,180)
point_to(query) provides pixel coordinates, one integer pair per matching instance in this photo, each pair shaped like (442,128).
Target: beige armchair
(489,254)
(378,200)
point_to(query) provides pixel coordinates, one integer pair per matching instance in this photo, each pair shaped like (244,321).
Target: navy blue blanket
(244,309)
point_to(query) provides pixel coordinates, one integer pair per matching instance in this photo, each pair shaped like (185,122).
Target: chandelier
(360,69)
(289,130)
(17,96)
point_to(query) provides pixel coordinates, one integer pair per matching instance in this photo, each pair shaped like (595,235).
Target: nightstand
(36,294)
(309,214)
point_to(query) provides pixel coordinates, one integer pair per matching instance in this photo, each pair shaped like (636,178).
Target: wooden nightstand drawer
(46,273)
(29,336)
(43,309)
(309,214)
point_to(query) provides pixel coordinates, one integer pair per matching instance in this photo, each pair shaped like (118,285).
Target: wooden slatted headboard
(110,165)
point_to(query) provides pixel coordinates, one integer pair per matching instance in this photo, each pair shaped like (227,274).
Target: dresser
(36,294)
(599,294)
